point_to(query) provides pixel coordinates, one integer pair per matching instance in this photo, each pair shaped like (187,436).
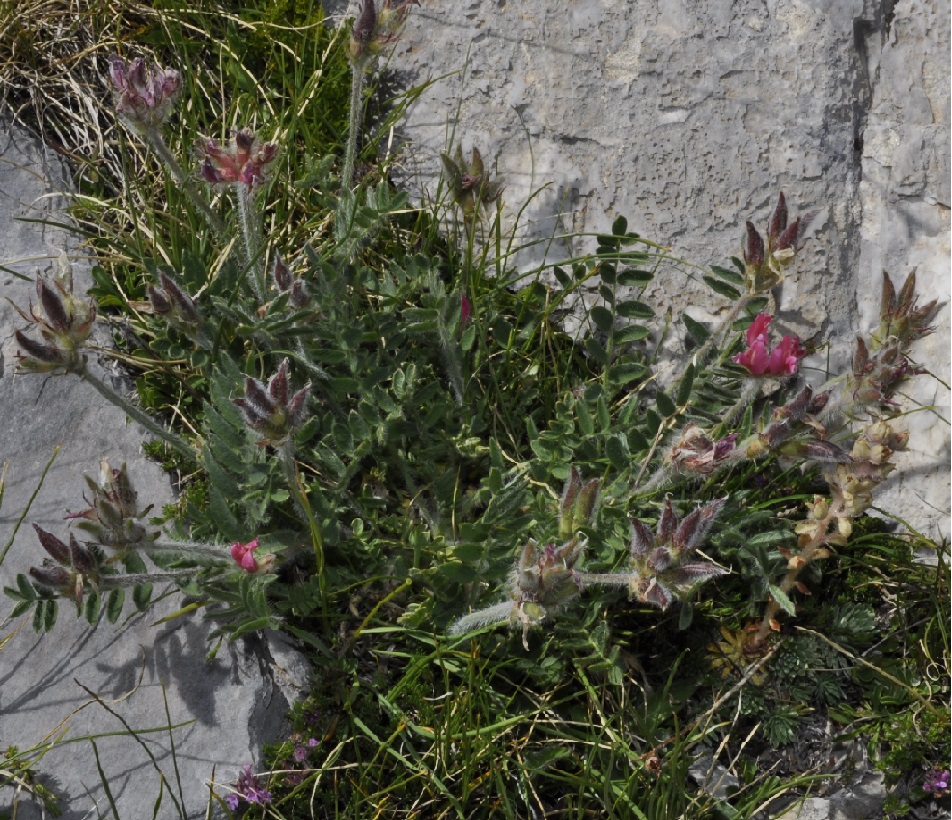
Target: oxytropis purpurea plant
(388,431)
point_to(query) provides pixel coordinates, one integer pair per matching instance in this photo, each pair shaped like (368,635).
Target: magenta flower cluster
(760,360)
(244,557)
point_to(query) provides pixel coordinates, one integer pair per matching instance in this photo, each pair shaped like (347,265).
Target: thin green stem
(172,439)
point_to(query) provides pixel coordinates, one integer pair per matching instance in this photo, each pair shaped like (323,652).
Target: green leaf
(686,615)
(25,587)
(727,275)
(21,608)
(114,602)
(634,309)
(755,306)
(624,373)
(616,448)
(457,572)
(698,332)
(781,598)
(596,351)
(631,277)
(39,616)
(141,596)
(769,539)
(586,424)
(604,418)
(562,277)
(722,288)
(687,383)
(91,609)
(603,318)
(49,615)
(620,226)
(665,406)
(630,334)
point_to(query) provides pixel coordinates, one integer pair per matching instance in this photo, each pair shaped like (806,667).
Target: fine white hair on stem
(483,617)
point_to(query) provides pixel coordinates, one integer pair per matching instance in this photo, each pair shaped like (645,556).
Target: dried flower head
(469,184)
(113,517)
(170,301)
(63,320)
(373,30)
(145,93)
(662,569)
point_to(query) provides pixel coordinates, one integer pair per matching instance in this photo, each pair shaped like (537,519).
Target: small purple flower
(937,782)
(248,787)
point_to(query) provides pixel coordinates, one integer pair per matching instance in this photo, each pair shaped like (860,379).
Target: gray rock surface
(222,710)
(689,117)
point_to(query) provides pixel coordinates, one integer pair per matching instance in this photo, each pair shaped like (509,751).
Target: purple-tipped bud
(282,274)
(297,407)
(39,358)
(642,539)
(80,557)
(667,523)
(778,222)
(753,248)
(56,578)
(789,238)
(56,548)
(51,300)
(278,384)
(695,527)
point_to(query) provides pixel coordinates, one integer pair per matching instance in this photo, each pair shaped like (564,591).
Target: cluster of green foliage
(449,407)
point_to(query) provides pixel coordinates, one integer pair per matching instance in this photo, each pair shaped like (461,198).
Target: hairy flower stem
(172,439)
(801,561)
(353,125)
(217,551)
(154,140)
(748,394)
(286,456)
(113,581)
(251,235)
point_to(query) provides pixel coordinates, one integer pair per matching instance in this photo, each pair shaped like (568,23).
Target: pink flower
(244,555)
(244,161)
(760,360)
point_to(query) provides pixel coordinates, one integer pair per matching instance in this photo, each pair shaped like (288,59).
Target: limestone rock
(221,711)
(689,117)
